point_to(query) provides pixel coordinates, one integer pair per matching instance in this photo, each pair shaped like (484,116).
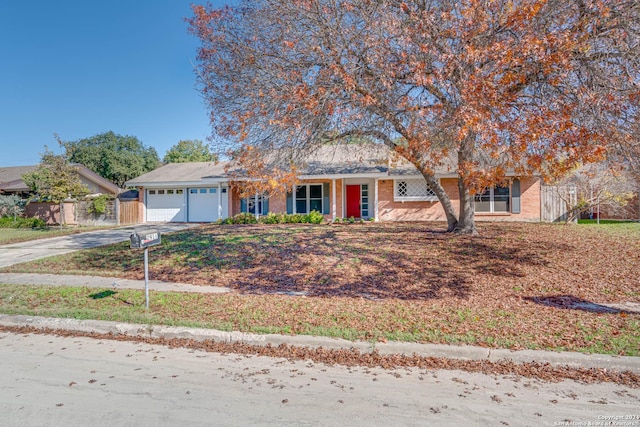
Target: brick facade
(392,210)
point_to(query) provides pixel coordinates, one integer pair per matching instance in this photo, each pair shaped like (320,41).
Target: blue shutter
(289,203)
(265,205)
(325,198)
(243,205)
(515,196)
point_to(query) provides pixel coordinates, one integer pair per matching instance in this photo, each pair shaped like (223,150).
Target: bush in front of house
(314,217)
(241,218)
(20,222)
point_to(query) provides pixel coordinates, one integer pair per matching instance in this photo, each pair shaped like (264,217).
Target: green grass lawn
(15,235)
(514,286)
(373,321)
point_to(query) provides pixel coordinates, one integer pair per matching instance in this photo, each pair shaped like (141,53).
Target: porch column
(375,201)
(293,199)
(333,199)
(219,200)
(343,202)
(255,206)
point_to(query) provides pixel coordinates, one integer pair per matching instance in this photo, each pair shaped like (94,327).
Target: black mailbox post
(143,241)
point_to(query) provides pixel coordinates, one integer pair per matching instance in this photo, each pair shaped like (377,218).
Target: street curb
(565,359)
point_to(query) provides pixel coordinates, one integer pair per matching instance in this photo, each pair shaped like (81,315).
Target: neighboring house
(74,213)
(340,182)
(11,181)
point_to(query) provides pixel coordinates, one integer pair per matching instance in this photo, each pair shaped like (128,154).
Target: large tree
(189,151)
(496,85)
(114,157)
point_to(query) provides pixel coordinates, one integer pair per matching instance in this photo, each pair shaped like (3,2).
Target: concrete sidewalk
(104,283)
(569,359)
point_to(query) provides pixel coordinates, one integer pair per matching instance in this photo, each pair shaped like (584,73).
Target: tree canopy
(114,157)
(55,179)
(519,86)
(189,151)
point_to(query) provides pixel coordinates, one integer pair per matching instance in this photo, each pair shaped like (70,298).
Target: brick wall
(390,210)
(50,212)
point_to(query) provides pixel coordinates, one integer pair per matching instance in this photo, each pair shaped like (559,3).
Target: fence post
(117,211)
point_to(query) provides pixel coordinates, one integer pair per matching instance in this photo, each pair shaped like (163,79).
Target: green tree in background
(189,150)
(114,157)
(55,180)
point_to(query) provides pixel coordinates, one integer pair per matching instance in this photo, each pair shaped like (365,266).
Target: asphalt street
(55,381)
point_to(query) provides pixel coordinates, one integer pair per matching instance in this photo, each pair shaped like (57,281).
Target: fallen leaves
(352,357)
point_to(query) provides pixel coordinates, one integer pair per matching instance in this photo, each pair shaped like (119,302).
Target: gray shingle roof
(333,160)
(11,178)
(181,172)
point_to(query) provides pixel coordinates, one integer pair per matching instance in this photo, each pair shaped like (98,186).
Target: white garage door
(203,204)
(165,205)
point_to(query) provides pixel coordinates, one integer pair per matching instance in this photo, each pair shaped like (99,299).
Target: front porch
(334,198)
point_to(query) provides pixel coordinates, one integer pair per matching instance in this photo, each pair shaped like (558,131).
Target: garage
(204,204)
(165,205)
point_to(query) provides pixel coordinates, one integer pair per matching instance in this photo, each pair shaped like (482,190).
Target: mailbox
(141,241)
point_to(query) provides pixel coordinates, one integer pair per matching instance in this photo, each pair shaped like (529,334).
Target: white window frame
(492,209)
(399,198)
(308,197)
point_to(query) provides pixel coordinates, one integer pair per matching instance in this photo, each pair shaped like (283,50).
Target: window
(169,191)
(364,194)
(152,191)
(249,204)
(309,197)
(179,191)
(413,190)
(160,191)
(495,199)
(193,190)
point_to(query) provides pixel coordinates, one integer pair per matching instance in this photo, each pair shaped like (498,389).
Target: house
(11,181)
(338,181)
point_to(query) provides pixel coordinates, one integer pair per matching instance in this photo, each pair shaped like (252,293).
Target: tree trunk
(445,201)
(466,222)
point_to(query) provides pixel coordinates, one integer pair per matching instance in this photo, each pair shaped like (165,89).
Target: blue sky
(80,67)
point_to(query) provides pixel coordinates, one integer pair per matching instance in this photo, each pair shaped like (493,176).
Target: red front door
(353,201)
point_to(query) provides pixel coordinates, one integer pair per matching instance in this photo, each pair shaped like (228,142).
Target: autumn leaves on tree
(527,86)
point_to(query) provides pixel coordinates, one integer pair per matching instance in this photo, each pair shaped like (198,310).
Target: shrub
(241,218)
(315,217)
(98,205)
(19,222)
(272,218)
(294,218)
(11,205)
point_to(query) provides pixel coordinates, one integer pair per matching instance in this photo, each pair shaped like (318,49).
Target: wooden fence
(118,212)
(556,202)
(129,211)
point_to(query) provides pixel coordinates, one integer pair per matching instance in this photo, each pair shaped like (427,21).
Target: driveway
(17,253)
